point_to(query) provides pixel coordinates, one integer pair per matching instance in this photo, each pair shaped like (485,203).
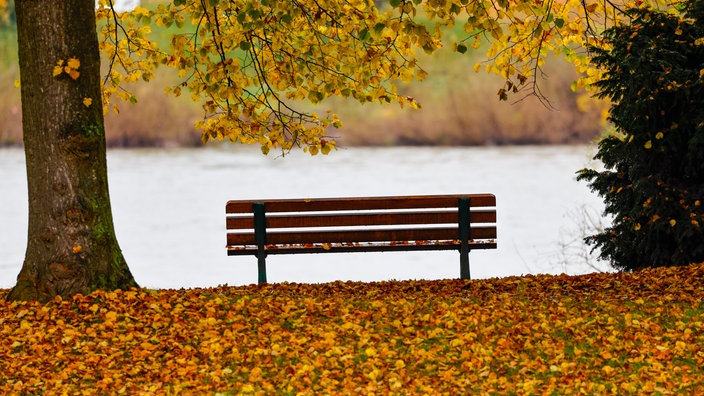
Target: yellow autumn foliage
(249,62)
(607,333)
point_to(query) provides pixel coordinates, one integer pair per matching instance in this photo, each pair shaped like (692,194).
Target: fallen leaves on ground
(637,333)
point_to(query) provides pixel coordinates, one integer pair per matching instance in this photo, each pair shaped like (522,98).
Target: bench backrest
(347,224)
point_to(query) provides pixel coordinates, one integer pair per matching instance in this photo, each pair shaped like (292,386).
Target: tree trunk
(71,245)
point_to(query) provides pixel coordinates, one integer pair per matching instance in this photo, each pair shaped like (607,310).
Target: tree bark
(71,245)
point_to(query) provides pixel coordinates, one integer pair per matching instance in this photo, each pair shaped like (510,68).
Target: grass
(605,333)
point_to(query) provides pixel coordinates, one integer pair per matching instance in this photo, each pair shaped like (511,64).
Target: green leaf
(255,14)
(315,96)
(461,48)
(241,17)
(179,2)
(364,34)
(559,22)
(395,3)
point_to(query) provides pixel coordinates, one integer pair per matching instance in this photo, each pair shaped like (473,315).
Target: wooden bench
(402,223)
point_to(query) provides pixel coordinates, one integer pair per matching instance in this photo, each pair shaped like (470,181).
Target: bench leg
(464,263)
(261,267)
(260,237)
(464,224)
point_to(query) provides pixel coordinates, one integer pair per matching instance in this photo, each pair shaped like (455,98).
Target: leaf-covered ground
(640,333)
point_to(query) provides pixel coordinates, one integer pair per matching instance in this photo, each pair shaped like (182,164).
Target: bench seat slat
(385,235)
(361,203)
(358,219)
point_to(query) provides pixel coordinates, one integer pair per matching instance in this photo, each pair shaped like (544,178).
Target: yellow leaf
(673,222)
(87,102)
(57,70)
(73,73)
(374,374)
(73,63)
(648,145)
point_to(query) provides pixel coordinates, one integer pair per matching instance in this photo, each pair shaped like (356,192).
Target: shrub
(653,182)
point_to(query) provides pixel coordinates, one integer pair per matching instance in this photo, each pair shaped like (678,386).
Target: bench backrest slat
(359,236)
(365,203)
(277,220)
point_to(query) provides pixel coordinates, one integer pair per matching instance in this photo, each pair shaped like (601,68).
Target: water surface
(168,206)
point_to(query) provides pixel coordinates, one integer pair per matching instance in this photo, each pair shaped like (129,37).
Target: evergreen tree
(653,182)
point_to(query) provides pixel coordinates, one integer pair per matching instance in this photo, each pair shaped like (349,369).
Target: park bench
(370,224)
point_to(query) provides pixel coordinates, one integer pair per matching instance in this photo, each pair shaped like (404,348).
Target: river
(168,206)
